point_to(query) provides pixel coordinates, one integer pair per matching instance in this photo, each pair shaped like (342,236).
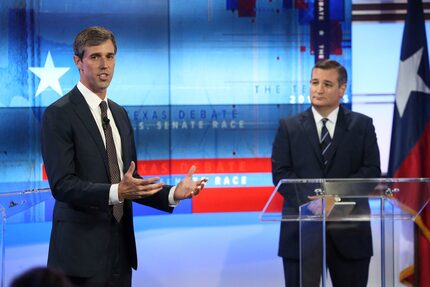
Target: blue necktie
(325,141)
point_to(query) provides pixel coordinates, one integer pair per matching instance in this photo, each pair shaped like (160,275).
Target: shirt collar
(91,98)
(332,117)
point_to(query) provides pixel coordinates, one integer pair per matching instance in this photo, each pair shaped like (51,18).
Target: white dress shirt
(330,124)
(93,102)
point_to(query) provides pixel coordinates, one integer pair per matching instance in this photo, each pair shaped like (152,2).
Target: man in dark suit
(350,152)
(90,158)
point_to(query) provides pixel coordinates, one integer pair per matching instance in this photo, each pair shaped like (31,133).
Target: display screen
(203,82)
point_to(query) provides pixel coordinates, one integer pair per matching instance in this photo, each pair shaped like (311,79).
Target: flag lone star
(409,80)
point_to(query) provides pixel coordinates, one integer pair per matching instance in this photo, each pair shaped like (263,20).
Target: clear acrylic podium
(15,198)
(319,204)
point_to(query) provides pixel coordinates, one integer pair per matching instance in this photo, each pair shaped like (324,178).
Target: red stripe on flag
(211,165)
(235,199)
(416,164)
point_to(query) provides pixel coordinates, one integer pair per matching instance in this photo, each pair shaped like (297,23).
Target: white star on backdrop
(49,76)
(408,80)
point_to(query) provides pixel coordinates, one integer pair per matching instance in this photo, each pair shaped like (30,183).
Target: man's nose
(103,62)
(320,88)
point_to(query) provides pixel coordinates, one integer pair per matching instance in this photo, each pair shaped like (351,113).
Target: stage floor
(222,249)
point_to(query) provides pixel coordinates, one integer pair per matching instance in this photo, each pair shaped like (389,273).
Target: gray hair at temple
(92,36)
(328,64)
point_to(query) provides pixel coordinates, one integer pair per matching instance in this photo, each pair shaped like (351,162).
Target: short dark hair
(92,36)
(329,64)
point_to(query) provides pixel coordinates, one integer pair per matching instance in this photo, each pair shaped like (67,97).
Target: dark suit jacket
(77,167)
(297,154)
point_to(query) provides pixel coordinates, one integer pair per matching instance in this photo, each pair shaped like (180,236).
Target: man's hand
(135,188)
(315,206)
(188,188)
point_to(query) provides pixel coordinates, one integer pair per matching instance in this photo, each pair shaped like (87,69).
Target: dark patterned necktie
(115,176)
(325,141)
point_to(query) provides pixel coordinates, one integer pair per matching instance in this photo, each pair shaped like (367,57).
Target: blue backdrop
(208,79)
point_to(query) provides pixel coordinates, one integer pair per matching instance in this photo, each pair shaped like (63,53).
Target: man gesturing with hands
(90,158)
(136,188)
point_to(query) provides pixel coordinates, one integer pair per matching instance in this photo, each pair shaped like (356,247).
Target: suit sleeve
(59,155)
(282,166)
(281,155)
(159,200)
(371,166)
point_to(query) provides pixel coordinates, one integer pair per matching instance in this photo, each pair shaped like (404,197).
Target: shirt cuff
(113,194)
(172,202)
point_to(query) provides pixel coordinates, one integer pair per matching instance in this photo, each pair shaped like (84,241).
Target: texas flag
(410,140)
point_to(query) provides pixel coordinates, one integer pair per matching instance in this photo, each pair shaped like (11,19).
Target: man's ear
(78,62)
(342,89)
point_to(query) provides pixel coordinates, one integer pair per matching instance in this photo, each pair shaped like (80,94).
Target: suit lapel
(83,111)
(310,129)
(342,123)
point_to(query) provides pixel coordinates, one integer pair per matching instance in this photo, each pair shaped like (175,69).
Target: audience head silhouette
(41,277)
